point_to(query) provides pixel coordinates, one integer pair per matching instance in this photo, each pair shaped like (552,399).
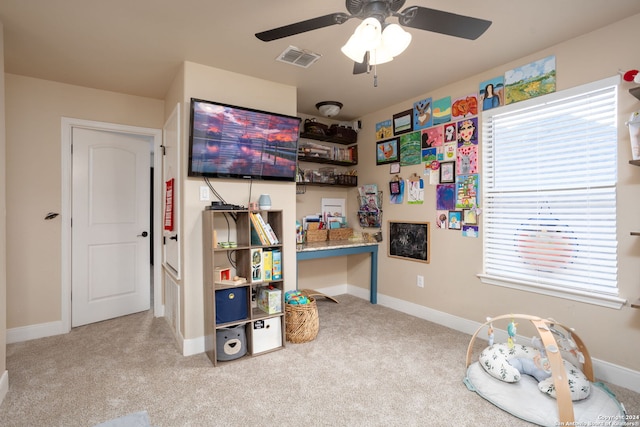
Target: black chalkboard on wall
(409,240)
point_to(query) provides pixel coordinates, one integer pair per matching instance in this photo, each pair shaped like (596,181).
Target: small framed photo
(394,168)
(403,122)
(455,220)
(447,172)
(469,217)
(387,151)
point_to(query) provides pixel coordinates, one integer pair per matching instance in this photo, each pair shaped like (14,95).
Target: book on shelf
(267,265)
(256,265)
(276,264)
(271,236)
(258,235)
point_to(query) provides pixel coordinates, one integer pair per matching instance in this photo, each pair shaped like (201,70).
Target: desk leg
(373,298)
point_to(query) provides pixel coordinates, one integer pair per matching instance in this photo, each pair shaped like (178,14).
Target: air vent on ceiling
(300,57)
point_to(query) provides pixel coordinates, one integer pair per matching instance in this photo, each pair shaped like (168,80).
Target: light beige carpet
(369,366)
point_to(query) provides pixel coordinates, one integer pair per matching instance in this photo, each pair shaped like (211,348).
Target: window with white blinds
(549,194)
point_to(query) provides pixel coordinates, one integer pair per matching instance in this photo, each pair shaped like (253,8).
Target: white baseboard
(603,370)
(193,346)
(4,385)
(32,332)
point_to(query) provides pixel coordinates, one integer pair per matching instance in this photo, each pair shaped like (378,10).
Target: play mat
(549,382)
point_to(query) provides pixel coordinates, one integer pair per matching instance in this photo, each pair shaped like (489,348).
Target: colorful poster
(492,93)
(384,130)
(467,191)
(422,117)
(410,145)
(464,107)
(445,197)
(468,131)
(432,137)
(467,158)
(441,111)
(531,80)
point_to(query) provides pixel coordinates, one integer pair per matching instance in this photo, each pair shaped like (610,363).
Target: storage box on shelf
(232,246)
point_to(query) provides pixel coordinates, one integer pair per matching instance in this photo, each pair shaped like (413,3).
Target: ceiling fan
(421,18)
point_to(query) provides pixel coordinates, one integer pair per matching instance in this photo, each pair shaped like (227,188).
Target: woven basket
(302,322)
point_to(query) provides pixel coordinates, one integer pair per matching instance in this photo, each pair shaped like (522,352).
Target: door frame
(67,190)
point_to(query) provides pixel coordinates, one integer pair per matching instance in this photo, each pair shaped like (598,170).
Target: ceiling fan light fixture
(395,39)
(369,34)
(329,108)
(380,56)
(353,50)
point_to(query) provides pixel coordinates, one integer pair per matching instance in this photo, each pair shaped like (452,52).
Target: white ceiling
(136,46)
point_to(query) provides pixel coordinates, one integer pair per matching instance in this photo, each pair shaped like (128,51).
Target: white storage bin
(267,334)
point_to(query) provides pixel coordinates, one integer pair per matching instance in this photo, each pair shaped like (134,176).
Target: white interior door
(110,272)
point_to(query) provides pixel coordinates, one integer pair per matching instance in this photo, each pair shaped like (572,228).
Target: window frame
(582,295)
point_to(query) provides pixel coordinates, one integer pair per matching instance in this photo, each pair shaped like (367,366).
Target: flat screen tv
(226,141)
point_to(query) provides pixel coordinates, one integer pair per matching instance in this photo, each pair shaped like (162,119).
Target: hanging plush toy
(511,330)
(490,332)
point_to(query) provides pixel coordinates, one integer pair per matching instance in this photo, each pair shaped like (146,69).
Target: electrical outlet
(420,281)
(204,193)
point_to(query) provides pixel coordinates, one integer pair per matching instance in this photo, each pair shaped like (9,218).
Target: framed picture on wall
(447,172)
(388,151)
(403,122)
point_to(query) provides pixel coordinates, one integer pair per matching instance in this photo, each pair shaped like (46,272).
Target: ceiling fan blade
(362,67)
(442,22)
(303,26)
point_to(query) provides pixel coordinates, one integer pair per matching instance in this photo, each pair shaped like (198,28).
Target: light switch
(204,193)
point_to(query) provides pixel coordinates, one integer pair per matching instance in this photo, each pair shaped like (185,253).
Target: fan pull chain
(375,75)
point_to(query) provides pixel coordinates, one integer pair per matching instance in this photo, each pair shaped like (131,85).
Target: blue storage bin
(231,304)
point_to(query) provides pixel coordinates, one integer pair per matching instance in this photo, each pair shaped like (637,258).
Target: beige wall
(226,87)
(34,109)
(3,224)
(451,283)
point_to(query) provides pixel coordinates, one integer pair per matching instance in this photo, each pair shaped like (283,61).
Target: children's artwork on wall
(441,110)
(409,240)
(384,130)
(403,122)
(531,80)
(492,93)
(432,137)
(422,117)
(447,172)
(445,197)
(455,220)
(450,152)
(467,158)
(429,155)
(464,107)
(387,151)
(394,168)
(396,190)
(415,190)
(467,191)
(469,217)
(450,133)
(470,230)
(410,153)
(442,219)
(468,131)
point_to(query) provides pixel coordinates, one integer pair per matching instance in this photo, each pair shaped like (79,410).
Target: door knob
(144,234)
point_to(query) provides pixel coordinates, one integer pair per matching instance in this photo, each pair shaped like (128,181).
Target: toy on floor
(520,379)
